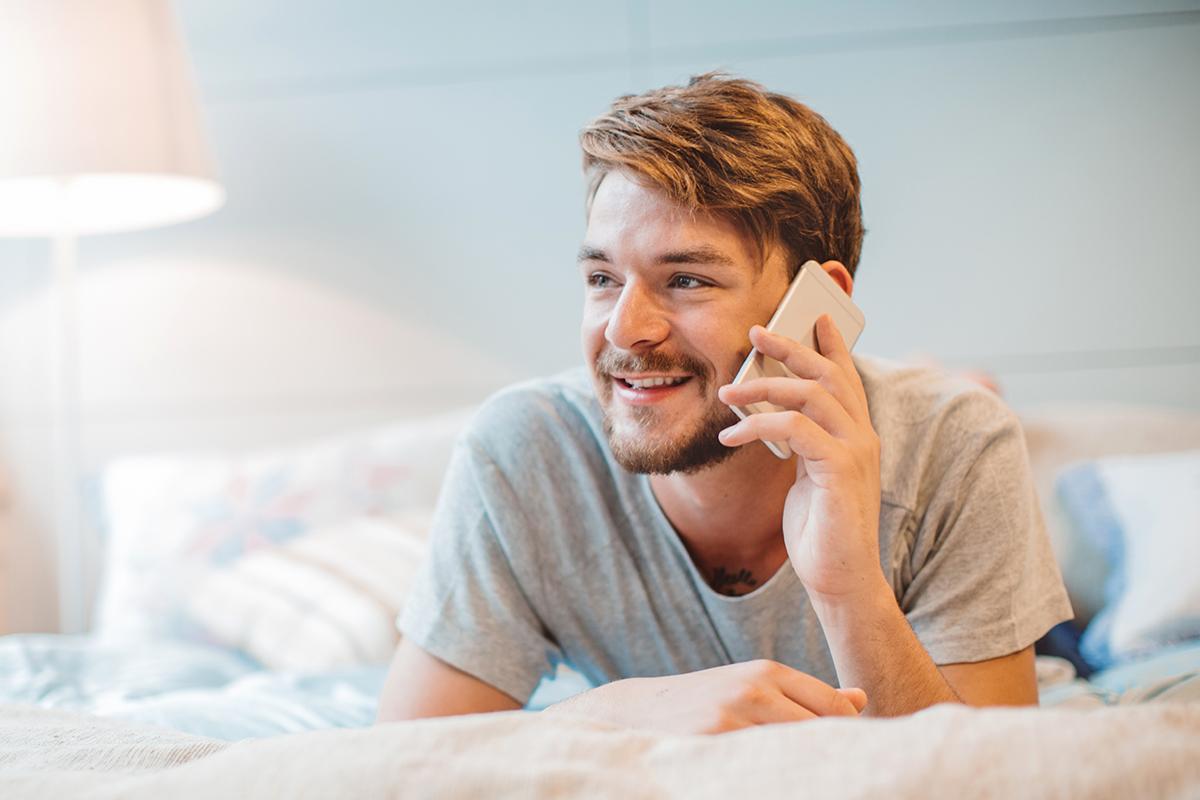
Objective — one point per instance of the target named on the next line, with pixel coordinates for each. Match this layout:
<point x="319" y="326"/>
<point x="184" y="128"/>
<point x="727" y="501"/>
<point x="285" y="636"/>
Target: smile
<point x="651" y="381"/>
<point x="648" y="389"/>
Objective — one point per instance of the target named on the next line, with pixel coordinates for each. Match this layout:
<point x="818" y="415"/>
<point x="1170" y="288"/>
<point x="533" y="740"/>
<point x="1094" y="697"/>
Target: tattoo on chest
<point x="733" y="583"/>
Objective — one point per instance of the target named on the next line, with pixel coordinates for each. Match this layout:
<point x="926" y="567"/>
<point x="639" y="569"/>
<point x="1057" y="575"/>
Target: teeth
<point x="649" y="382"/>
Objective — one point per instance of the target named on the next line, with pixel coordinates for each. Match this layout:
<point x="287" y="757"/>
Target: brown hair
<point x="729" y="147"/>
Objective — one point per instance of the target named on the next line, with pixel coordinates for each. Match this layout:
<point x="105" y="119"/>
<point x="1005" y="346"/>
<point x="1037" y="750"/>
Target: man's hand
<point x="715" y="700"/>
<point x="831" y="516"/>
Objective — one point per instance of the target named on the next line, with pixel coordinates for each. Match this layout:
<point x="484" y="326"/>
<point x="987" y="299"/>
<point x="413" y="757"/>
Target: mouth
<point x="647" y="389"/>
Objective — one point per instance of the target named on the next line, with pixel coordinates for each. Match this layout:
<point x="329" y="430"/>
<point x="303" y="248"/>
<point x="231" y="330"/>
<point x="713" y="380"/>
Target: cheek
<point x="591" y="331"/>
<point x="595" y="314"/>
<point x="714" y="337"/>
<point x="592" y="323"/>
<point x="724" y="349"/>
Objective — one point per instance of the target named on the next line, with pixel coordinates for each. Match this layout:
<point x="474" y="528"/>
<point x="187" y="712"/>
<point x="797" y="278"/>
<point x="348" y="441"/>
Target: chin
<point x="637" y="449"/>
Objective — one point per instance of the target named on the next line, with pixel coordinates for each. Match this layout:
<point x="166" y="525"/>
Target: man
<point x="621" y="518"/>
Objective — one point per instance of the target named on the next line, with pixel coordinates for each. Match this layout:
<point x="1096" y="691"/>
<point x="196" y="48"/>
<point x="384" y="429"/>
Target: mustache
<point x="610" y="361"/>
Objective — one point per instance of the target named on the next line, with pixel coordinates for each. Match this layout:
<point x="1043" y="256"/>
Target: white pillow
<point x="326" y="600"/>
<point x="172" y="519"/>
<point x="1143" y="512"/>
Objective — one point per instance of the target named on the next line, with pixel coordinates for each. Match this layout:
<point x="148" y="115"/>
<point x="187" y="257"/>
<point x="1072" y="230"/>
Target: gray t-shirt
<point x="544" y="549"/>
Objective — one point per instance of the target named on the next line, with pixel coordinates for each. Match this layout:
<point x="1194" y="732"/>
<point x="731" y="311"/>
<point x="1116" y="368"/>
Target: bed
<point x="247" y="613"/>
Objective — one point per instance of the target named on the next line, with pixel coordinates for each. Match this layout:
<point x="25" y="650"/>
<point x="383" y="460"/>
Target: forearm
<point x="874" y="648"/>
<point x="713" y="700"/>
<point x="596" y="704"/>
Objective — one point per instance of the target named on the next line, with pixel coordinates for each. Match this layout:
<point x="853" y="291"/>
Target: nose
<point x="637" y="321"/>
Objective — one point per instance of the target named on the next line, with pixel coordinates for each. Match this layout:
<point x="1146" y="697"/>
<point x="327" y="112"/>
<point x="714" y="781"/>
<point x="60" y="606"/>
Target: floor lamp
<point x="100" y="132"/>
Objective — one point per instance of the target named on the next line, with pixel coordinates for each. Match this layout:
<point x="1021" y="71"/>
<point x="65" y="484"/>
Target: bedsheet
<point x="1173" y="672"/>
<point x="81" y="673"/>
<point x="946" y="751"/>
<point x="221" y="694"/>
<point x="199" y="689"/>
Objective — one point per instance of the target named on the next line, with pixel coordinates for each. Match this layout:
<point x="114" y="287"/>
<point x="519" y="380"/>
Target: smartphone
<point x="811" y="294"/>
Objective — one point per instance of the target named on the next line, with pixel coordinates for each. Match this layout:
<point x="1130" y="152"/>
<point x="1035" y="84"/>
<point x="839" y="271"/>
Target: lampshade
<point x="99" y="126"/>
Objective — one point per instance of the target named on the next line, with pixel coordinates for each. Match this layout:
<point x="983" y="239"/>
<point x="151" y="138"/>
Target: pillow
<point x="172" y="519"/>
<point x="1065" y="434"/>
<point x="323" y="601"/>
<point x="1143" y="512"/>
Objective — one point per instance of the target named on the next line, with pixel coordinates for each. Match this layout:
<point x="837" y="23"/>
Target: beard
<point x="638" y="450"/>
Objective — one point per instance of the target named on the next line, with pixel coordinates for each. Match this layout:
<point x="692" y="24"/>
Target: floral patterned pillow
<point x="324" y="601"/>
<point x="171" y="520"/>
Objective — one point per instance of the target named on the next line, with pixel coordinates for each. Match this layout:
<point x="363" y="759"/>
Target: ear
<point x="837" y="270"/>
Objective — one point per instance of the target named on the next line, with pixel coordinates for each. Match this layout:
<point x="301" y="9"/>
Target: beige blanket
<point x="946" y="751"/>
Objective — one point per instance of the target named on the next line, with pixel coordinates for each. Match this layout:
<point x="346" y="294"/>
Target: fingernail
<point x="725" y="434"/>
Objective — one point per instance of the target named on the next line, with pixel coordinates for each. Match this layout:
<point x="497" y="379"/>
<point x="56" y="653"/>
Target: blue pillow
<point x="1143" y="514"/>
<point x="1081" y="493"/>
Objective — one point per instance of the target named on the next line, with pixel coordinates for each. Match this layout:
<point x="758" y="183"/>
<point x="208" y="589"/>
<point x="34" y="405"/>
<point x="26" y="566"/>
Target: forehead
<point x="633" y="218"/>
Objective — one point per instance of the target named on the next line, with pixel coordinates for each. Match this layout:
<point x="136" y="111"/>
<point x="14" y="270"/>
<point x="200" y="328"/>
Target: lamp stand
<point x="65" y="433"/>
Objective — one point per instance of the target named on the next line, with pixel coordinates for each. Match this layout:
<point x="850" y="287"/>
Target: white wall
<point x="405" y="203"/>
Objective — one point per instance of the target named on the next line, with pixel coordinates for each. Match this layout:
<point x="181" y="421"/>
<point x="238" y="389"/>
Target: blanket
<point x="945" y="751"/>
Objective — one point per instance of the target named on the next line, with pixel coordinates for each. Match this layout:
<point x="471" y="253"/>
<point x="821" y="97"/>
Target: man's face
<point x="669" y="300"/>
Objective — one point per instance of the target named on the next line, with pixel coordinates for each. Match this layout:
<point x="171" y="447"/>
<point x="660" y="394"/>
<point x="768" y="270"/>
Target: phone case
<point x="811" y="294"/>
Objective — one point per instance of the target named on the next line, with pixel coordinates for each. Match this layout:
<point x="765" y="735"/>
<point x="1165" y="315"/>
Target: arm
<point x="709" y="701"/>
<point x="1009" y="680"/>
<point x="873" y="631"/>
<point x="714" y="700"/>
<point x="420" y="685"/>
<point x="471" y="639"/>
<point x="831" y="530"/>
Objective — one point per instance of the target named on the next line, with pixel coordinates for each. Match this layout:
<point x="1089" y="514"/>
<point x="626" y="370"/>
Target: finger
<point x="805" y="437"/>
<point x="856" y="696"/>
<point x="830" y="342"/>
<point x="833" y="346"/>
<point x="808" y="397"/>
<point x="765" y="703"/>
<point x="804" y="362"/>
<point x="774" y="707"/>
<point x="814" y="694"/>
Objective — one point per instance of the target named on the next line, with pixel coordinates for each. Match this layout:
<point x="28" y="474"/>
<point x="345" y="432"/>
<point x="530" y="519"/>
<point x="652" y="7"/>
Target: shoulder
<point x="920" y="396"/>
<point x="537" y="419"/>
<point x="534" y="462"/>
<point x="931" y="424"/>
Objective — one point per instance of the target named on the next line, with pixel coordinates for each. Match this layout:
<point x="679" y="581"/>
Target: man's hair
<point x="726" y="146"/>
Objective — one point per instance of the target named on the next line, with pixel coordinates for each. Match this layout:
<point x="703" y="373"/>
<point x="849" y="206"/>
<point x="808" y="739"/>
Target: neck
<point x="730" y="514"/>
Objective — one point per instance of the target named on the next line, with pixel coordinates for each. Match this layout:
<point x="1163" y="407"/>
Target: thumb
<point x="856" y="696"/>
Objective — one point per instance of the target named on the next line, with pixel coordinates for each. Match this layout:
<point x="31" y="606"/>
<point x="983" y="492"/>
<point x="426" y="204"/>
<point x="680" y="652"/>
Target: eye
<point x="598" y="280"/>
<point x="688" y="282"/>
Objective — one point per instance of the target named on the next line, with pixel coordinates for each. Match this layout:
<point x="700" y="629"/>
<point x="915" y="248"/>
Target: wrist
<point x="871" y="596"/>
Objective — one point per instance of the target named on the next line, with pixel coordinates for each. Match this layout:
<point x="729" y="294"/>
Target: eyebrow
<point x="704" y="254"/>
